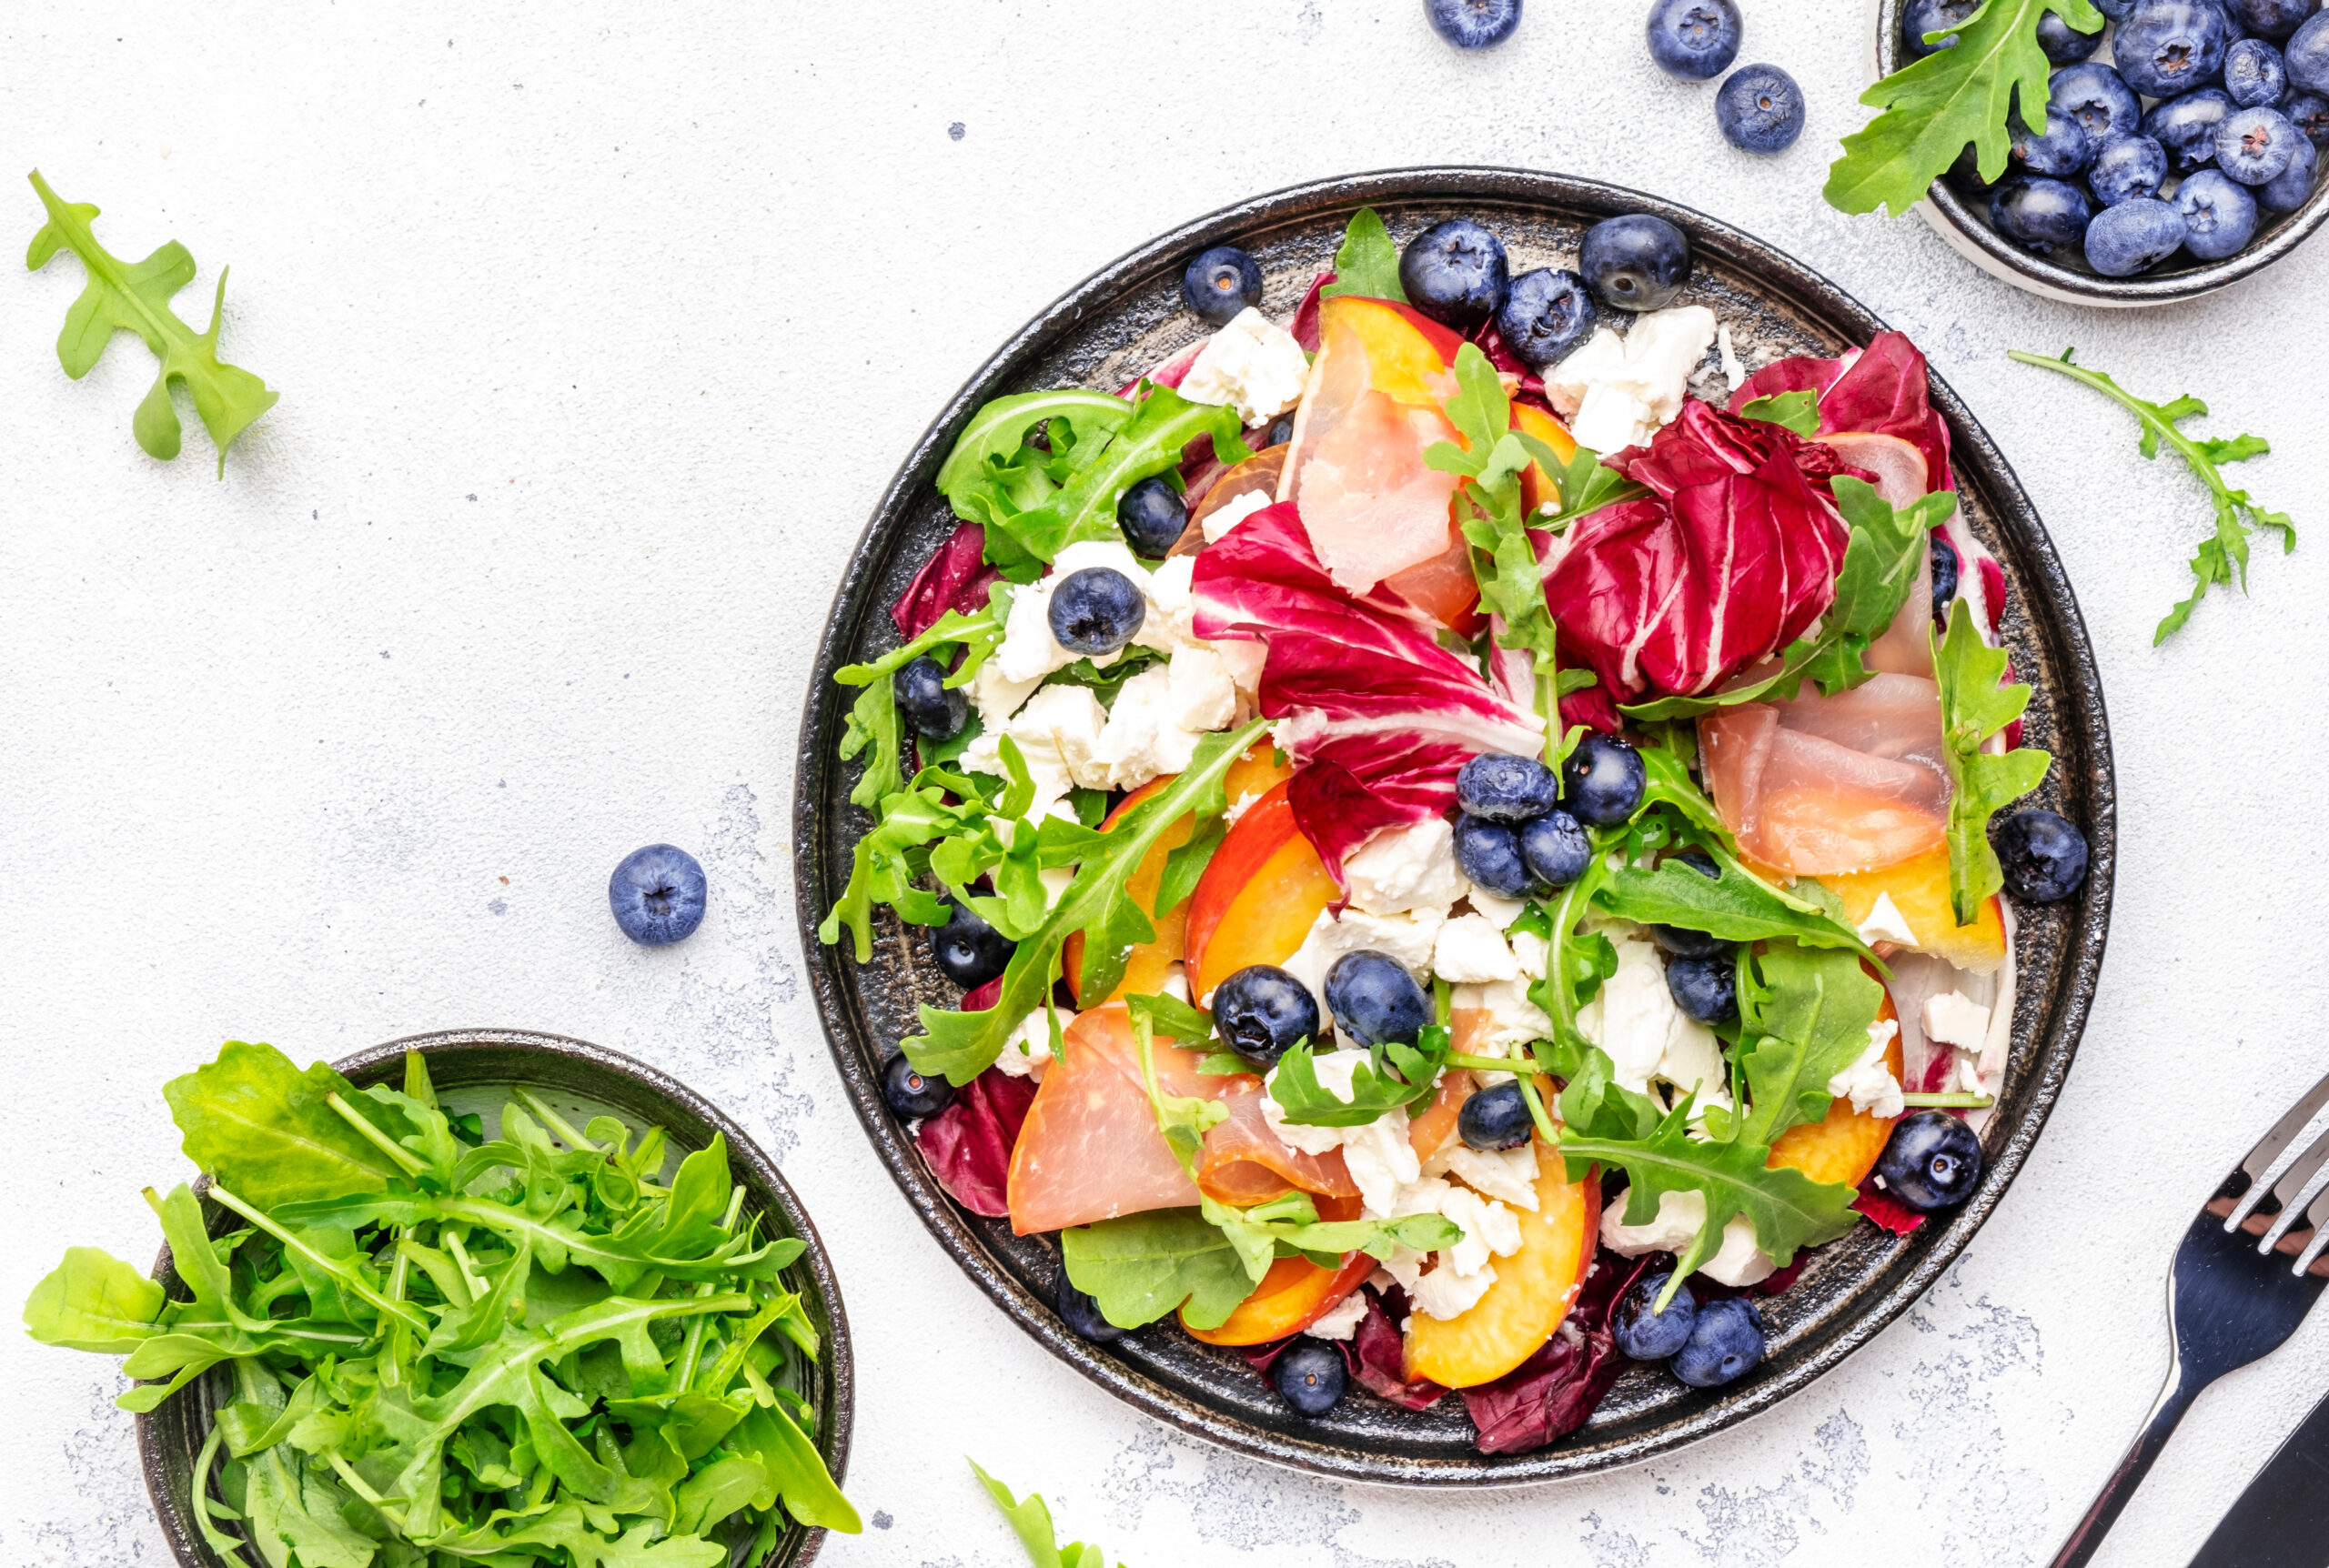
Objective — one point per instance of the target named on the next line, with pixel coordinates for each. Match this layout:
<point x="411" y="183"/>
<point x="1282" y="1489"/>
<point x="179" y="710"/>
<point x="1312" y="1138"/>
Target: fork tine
<point x="2296" y="1149"/>
<point x="2313" y="1250"/>
<point x="2294" y="1210"/>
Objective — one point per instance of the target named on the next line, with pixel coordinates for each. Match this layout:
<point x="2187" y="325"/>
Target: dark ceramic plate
<point x="1128" y="317"/>
<point x="473" y="1070"/>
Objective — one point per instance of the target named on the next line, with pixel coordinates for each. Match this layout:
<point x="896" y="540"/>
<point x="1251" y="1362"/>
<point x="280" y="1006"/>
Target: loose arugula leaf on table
<point x="2225" y="552"/>
<point x="1804" y="1015"/>
<point x="1030" y="1519"/>
<point x="136" y="295"/>
<point x="1798" y="410"/>
<point x="1964" y="93"/>
<point x="1367" y="263"/>
<point x="959" y="1046"/>
<point x="1974" y="707"/>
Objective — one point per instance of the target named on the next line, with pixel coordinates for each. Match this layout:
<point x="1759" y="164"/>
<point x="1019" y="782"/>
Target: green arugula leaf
<point x="1187" y="1025"/>
<point x="135" y="296"/>
<point x="1804" y="1014"/>
<point x="1932" y="108"/>
<point x="2225" y="551"/>
<point x="1367" y="263"/>
<point x="1162" y="426"/>
<point x="1397" y="1075"/>
<point x="1798" y="410"/>
<point x="1974" y="707"/>
<point x="263" y="1128"/>
<point x="1141" y="1266"/>
<point x="94" y="1301"/>
<point x="1000" y="427"/>
<point x="1735" y="905"/>
<point x="1184" y="867"/>
<point x="1577" y="962"/>
<point x="1031" y="1520"/>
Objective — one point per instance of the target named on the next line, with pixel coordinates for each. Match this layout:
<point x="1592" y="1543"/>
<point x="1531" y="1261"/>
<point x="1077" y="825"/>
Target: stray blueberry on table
<point x="2219" y="215"/>
<point x="1153" y="517"/>
<point x="2062" y="44"/>
<point x="2287" y="190"/>
<point x="2186" y="128"/>
<point x="2137" y="234"/>
<point x="1261" y="1012"/>
<point x="1919" y="17"/>
<point x="1376" y="1001"/>
<point x="2043" y="853"/>
<point x="657" y="894"/>
<point x="925" y="700"/>
<point x="2256" y="145"/>
<point x="911" y="1095"/>
<point x="1503" y="787"/>
<point x="1097" y="610"/>
<point x="1933" y="1160"/>
<point x="2039" y="213"/>
<point x="1694" y="39"/>
<point x="2125" y="167"/>
<point x="967" y="951"/>
<point x="1489" y="854"/>
<point x="2171" y="46"/>
<point x="1495" y="1117"/>
<point x="1760" y="110"/>
<point x="1707" y="989"/>
<point x="2254" y="74"/>
<point x="1473" y="24"/>
<point x="1647" y="1334"/>
<point x="1603" y="780"/>
<point x="1455" y="272"/>
<point x="1547" y="313"/>
<point x="1310" y="1376"/>
<point x="1944" y="574"/>
<point x="1555" y="848"/>
<point x="1221" y="283"/>
<point x="1638" y="262"/>
<point x="1082" y="1312"/>
<point x="1725" y="1343"/>
<point x="2272" y="19"/>
<point x="2060" y="150"/>
<point x="2096" y="96"/>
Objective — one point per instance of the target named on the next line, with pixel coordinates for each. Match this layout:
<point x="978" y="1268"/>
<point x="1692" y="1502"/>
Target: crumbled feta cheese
<point x="1680" y="1216"/>
<point x="1027" y="1049"/>
<point x="1512" y="1019"/>
<point x="1490" y="1229"/>
<point x="1444" y="1293"/>
<point x="1341" y="1321"/>
<point x="1470" y="950"/>
<point x="1332" y="1070"/>
<point x="1140" y="741"/>
<point x="1868" y="1082"/>
<point x="1500" y="912"/>
<point x="1509" y="1174"/>
<point x="1171" y="623"/>
<point x="1232" y="512"/>
<point x="1381" y="1160"/>
<point x="1403" y="868"/>
<point x="1955" y="1018"/>
<point x="1243" y="659"/>
<point x="1057" y="733"/>
<point x="1406" y="938"/>
<point x="1202" y="695"/>
<point x="1531" y="952"/>
<point x="1029" y="652"/>
<point x="1733" y="371"/>
<point x="1617" y="392"/>
<point x="1633" y="1018"/>
<point x="1252" y="362"/>
<point x="1965" y="1075"/>
<point x="1886" y="923"/>
<point x="996" y="696"/>
<point x="1737" y="1262"/>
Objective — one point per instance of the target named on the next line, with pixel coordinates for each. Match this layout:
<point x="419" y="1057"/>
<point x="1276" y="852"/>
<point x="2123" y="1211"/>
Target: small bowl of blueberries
<point x="2183" y="147"/>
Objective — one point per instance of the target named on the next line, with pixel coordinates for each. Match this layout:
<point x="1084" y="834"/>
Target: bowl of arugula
<point x="1966" y="95"/>
<point x="485" y="1294"/>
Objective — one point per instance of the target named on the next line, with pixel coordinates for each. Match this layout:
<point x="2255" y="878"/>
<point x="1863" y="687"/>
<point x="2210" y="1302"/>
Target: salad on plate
<point x="1462" y="821"/>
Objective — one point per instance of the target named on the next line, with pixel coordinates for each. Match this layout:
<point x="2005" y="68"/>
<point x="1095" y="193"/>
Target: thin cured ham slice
<point x="1374" y="508"/>
<point x="1902" y="477"/>
<point x="1830" y="784"/>
<point x="1090" y="1149"/>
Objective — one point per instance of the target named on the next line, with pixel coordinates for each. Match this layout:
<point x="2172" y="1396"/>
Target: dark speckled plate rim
<point x="2048" y="600"/>
<point x="376" y="1063"/>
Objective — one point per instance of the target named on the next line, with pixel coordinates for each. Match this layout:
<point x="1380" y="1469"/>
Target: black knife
<point x="2281" y="1520"/>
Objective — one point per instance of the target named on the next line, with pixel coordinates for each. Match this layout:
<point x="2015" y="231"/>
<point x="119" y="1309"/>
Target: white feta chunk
<point x="1203" y="698"/>
<point x="1490" y="1231"/>
<point x="1531" y="952"/>
<point x="1057" y="733"/>
<point x="1500" y="912"/>
<point x="1171" y="623"/>
<point x="1140" y="741"/>
<point x="1403" y="868"/>
<point x="1381" y="1161"/>
<point x="1737" y="1262"/>
<point x="996" y="696"/>
<point x="1252" y="362"/>
<point x="1509" y="1175"/>
<point x="1633" y="1018"/>
<point x="1333" y="1068"/>
<point x="1617" y="392"/>
<point x="1341" y="1321"/>
<point x="1886" y="923"/>
<point x="1956" y="1019"/>
<point x="1734" y="372"/>
<point x="1408" y="937"/>
<point x="1027" y="1049"/>
<point x="1679" y="1218"/>
<point x="1444" y="1293"/>
<point x="1244" y="661"/>
<point x="1217" y="523"/>
<point x="1512" y="1019"/>
<point x="1868" y="1082"/>
<point x="1470" y="950"/>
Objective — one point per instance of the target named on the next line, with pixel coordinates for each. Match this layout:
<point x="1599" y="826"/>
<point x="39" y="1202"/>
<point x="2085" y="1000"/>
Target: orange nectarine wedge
<point x="1258" y="898"/>
<point x="1532" y="1292"/>
<point x="1919" y="888"/>
<point x="1843" y="1147"/>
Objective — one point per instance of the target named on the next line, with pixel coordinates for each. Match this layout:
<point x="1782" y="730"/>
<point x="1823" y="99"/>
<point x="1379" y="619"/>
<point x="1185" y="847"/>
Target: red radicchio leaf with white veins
<point x="955" y="577"/>
<point x="1378" y="714"/>
<point x="968" y="1145"/>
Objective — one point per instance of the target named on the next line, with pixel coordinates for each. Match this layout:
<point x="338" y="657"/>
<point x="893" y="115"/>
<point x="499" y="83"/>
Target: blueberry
<point x="1311" y="1376"/>
<point x="1964" y="176"/>
<point x="2125" y="167"/>
<point x="1495" y="1117"/>
<point x="2219" y="215"/>
<point x="966" y="949"/>
<point x="1455" y="273"/>
<point x="2060" y="150"/>
<point x="925" y="702"/>
<point x="912" y="1095"/>
<point x="2097" y="97"/>
<point x="1556" y="849"/>
<point x="2063" y="43"/>
<point x="1280" y="431"/>
<point x="2185" y="127"/>
<point x="1933" y="1160"/>
<point x="2255" y="145"/>
<point x="2274" y="19"/>
<point x="1153" y="517"/>
<point x="1261" y="1012"/>
<point x="2306" y="55"/>
<point x="1547" y="313"/>
<point x="1637" y="261"/>
<point x="1489" y="853"/>
<point x="2040" y="214"/>
<point x="1694" y="39"/>
<point x="2116" y="10"/>
<point x="2171" y="46"/>
<point x="2254" y="75"/>
<point x="2288" y="190"/>
<point x="1502" y="788"/>
<point x="1082" y="1312"/>
<point x="1919" y="18"/>
<point x="1705" y="989"/>
<point x="1097" y="610"/>
<point x="2043" y="855"/>
<point x="1220" y="283"/>
<point x="1645" y="1334"/>
<point x="657" y="894"/>
<point x="1603" y="780"/>
<point x="1726" y="1342"/>
<point x="1760" y="109"/>
<point x="1944" y="572"/>
<point x="2309" y="113"/>
<point x="2136" y="235"/>
<point x="1376" y="1001"/>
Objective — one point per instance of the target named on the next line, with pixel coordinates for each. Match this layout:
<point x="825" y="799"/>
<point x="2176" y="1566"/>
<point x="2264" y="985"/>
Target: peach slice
<point x="1532" y="1292"/>
<point x="1843" y="1148"/>
<point x="1409" y="356"/>
<point x="1256" y="476"/>
<point x="1261" y="893"/>
<point x="1919" y="888"/>
<point x="1295" y="1294"/>
<point x="1537" y="486"/>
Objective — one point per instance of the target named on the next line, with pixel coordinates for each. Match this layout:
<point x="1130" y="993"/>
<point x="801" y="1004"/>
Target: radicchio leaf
<point x="1377" y="1357"/>
<point x="968" y="1145"/>
<point x="1887" y="1210"/>
<point x="1305" y="325"/>
<point x="1555" y="1391"/>
<point x="1884" y="389"/>
<point x="956" y="579"/>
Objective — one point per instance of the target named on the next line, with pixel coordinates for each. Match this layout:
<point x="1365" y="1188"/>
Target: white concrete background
<point x="599" y="328"/>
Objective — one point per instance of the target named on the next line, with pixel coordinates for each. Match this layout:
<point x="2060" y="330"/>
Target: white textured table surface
<point x="599" y="327"/>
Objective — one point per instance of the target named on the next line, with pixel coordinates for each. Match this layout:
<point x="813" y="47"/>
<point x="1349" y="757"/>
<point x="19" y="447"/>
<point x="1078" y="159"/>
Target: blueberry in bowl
<point x="1097" y="610"/>
<point x="2219" y="215"/>
<point x="2186" y="128"/>
<point x="1261" y="1012"/>
<point x="2254" y="74"/>
<point x="1603" y="780"/>
<point x="1376" y="1001"/>
<point x="2166" y="47"/>
<point x="1921" y="18"/>
<point x="1502" y="788"/>
<point x="2134" y="237"/>
<point x="1495" y="1117"/>
<point x="1153" y="517"/>
<point x="1931" y="1160"/>
<point x="1220" y="283"/>
<point x="1455" y="272"/>
<point x="2125" y="167"/>
<point x="1547" y="313"/>
<point x="1645" y="1334"/>
<point x="1637" y="261"/>
<point x="2061" y="149"/>
<point x="2040" y="215"/>
<point x="1489" y="855"/>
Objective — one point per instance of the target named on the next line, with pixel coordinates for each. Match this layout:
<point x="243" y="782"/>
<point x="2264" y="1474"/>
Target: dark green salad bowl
<point x="1128" y="317"/>
<point x="473" y="1071"/>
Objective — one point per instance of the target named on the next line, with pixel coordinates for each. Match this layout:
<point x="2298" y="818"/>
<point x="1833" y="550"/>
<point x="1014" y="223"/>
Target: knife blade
<point x="2281" y="1519"/>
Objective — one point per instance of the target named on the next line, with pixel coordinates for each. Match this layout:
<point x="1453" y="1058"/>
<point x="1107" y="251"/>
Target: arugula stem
<point x="1546" y="1128"/>
<point x="554" y="1121"/>
<point x="406" y="1160"/>
<point x="1514" y="1064"/>
<point x="1949" y="1102"/>
<point x="692" y="1352"/>
<point x="2146" y="413"/>
<point x="461" y="1260"/>
<point x="355" y="1282"/>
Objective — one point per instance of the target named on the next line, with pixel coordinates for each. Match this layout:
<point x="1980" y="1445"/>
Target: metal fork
<point x="2250" y="1267"/>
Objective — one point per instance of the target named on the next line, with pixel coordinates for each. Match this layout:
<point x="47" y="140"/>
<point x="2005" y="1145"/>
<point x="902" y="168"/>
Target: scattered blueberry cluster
<point x="2208" y="119"/>
<point x="1758" y="109"/>
<point x="1522" y="828"/>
